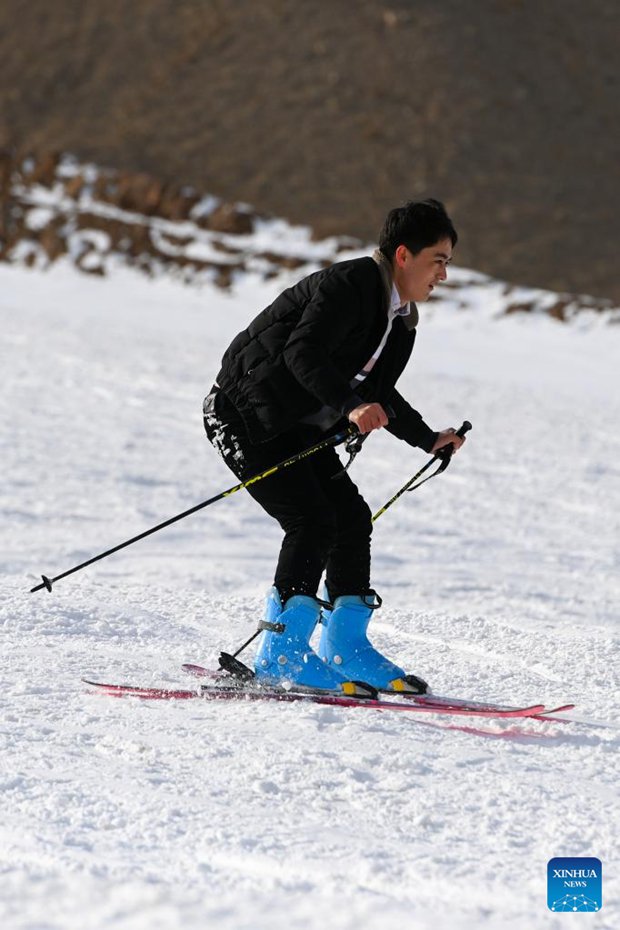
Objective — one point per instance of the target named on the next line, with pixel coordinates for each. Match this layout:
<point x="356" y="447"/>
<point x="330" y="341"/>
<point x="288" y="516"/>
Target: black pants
<point x="326" y="522"/>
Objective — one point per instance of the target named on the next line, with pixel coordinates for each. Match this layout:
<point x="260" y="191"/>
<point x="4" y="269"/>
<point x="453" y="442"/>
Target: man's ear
<point x="400" y="255"/>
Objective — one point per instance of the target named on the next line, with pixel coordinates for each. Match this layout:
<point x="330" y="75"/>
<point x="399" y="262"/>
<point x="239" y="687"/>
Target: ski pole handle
<point x="463" y="428"/>
<point x="447" y="451"/>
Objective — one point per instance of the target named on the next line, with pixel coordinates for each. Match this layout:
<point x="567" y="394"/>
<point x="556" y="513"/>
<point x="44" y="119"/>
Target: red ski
<point x="237" y="692"/>
<point x="437" y="702"/>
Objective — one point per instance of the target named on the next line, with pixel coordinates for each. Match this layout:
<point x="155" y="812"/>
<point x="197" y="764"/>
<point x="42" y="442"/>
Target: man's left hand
<point x="447" y="437"/>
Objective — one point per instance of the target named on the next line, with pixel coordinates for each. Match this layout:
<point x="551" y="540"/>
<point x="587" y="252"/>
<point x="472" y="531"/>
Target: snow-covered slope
<point x="499" y="579"/>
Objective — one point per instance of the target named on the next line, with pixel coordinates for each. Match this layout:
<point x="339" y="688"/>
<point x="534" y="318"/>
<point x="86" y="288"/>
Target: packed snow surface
<point x="500" y="581"/>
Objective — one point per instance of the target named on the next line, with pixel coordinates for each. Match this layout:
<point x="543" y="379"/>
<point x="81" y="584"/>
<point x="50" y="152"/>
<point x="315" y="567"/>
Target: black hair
<point x="418" y="225"/>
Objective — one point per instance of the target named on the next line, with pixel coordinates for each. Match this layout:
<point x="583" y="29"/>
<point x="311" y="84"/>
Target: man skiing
<point x="327" y="350"/>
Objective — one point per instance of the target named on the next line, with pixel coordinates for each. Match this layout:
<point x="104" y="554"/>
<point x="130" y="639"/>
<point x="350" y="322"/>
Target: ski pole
<point x="343" y="436"/>
<point x="443" y="456"/>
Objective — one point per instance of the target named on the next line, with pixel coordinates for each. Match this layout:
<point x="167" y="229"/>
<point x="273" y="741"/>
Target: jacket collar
<point x="411" y="320"/>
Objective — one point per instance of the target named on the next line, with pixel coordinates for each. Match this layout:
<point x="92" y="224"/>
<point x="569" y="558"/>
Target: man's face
<point x="415" y="276"/>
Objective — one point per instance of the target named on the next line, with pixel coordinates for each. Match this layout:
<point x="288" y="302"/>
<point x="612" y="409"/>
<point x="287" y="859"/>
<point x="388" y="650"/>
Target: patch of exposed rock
<point x="52" y="207"/>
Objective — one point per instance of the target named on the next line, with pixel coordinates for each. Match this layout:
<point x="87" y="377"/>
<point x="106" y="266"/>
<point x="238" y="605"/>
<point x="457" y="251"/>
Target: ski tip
<point x="559" y="710"/>
<point x="101" y="685"/>
<point x="192" y="669"/>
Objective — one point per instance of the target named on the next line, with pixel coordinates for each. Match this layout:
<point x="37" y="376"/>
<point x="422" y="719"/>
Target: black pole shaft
<point x="404" y="488"/>
<point x="324" y="444"/>
<point x="464" y="428"/>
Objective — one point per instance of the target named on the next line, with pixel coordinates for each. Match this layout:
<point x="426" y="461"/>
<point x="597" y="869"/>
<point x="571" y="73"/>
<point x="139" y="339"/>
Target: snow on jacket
<point x="302" y="352"/>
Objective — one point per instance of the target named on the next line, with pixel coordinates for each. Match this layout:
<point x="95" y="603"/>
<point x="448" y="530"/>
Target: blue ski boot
<point x="345" y="646"/>
<point x="284" y="654"/>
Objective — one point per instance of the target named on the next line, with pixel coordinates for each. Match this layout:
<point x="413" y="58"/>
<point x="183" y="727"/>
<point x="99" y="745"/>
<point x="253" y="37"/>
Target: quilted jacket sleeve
<point x="407" y="423"/>
<point x="332" y="316"/>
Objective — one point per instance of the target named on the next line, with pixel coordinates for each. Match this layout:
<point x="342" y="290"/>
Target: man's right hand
<point x="368" y="417"/>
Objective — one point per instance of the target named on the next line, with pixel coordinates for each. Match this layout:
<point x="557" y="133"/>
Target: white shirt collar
<point x="397" y="307"/>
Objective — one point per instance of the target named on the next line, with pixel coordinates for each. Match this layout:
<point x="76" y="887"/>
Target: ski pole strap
<point x="334" y="440"/>
<point x="402" y="490"/>
<point x="353" y="446"/>
<point x="444" y="458"/>
<point x="447" y="451"/>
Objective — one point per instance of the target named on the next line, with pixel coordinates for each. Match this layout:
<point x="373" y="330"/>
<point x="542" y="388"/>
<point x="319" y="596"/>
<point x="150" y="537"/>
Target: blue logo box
<point x="574" y="884"/>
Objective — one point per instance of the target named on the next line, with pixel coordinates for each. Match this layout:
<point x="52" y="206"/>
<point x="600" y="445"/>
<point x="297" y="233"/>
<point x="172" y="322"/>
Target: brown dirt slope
<point x="328" y="113"/>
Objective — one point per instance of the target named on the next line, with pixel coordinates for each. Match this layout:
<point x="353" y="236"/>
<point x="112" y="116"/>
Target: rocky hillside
<point x="56" y="209"/>
<point x="330" y="113"/>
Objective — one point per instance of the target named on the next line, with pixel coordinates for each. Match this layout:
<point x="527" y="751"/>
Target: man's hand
<point x="368" y="417"/>
<point x="447" y="437"/>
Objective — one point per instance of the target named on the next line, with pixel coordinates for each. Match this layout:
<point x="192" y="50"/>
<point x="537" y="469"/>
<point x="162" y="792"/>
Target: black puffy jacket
<point x="303" y="351"/>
